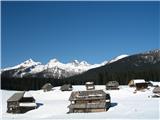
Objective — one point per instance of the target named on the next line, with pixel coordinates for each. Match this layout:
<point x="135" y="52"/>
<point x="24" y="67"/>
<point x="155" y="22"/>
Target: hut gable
<point x="66" y="87"/>
<point x="20" y="103"/>
<point x="47" y="87"/>
<point x="112" y="85"/>
<point x="90" y="86"/>
<point x="89" y="101"/>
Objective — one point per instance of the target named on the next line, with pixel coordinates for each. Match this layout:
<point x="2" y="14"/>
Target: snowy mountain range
<point x="53" y="69"/>
<point x="31" y="75"/>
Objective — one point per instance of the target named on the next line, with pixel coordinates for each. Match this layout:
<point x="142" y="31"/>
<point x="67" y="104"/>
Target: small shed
<point x="132" y="83"/>
<point x="156" y="90"/>
<point x="47" y="87"/>
<point x="89" y="101"/>
<point x="90" y="86"/>
<point x="112" y="85"/>
<point x="21" y="103"/>
<point x="66" y="87"/>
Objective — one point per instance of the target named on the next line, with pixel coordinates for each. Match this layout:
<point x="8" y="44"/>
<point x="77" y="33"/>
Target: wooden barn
<point x="47" y="87"/>
<point x="21" y="103"/>
<point x="112" y="85"/>
<point x="89" y="101"/>
<point x="90" y="86"/>
<point x="66" y="87"/>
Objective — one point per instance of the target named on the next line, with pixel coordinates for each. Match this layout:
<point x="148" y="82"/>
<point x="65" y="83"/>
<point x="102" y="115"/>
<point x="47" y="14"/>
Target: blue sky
<point x="91" y="31"/>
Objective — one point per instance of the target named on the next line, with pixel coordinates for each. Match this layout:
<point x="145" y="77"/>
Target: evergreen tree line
<point x="99" y="78"/>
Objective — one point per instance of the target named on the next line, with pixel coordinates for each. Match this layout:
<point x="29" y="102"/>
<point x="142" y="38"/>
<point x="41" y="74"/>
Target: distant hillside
<point x="144" y="65"/>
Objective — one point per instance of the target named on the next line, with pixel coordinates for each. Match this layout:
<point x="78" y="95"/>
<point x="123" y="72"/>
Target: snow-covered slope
<point x="25" y="64"/>
<point x="22" y="69"/>
<point x="125" y="104"/>
<point x="117" y="58"/>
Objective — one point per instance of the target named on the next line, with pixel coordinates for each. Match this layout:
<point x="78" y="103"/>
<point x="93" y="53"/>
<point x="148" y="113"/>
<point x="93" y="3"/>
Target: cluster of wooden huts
<point x="90" y="100"/>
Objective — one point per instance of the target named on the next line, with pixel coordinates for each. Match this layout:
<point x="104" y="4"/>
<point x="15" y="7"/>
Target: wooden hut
<point x="112" y="85"/>
<point x="20" y="103"/>
<point x="156" y="90"/>
<point x="89" y="101"/>
<point x="47" y="87"/>
<point x="90" y="86"/>
<point x="132" y="83"/>
<point x="66" y="87"/>
<point x="138" y="83"/>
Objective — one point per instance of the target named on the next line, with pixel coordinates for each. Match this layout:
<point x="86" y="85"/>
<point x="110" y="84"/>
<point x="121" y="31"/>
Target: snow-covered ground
<point x="53" y="105"/>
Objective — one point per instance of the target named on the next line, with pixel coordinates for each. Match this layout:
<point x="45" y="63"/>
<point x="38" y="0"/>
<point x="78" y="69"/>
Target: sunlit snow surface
<point x="53" y="105"/>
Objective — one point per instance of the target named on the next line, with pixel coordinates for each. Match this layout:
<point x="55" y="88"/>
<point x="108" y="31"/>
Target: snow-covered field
<point x="125" y="105"/>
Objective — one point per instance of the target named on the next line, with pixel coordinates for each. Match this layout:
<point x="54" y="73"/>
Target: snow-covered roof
<point x="66" y="87"/>
<point x="155" y="83"/>
<point x="27" y="94"/>
<point x="112" y="84"/>
<point x="47" y="86"/>
<point x="27" y="104"/>
<point x="16" y="97"/>
<point x="138" y="81"/>
<point x="89" y="83"/>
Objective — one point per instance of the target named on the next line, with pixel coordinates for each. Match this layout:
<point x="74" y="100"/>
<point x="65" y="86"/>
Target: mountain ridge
<point x="30" y="67"/>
